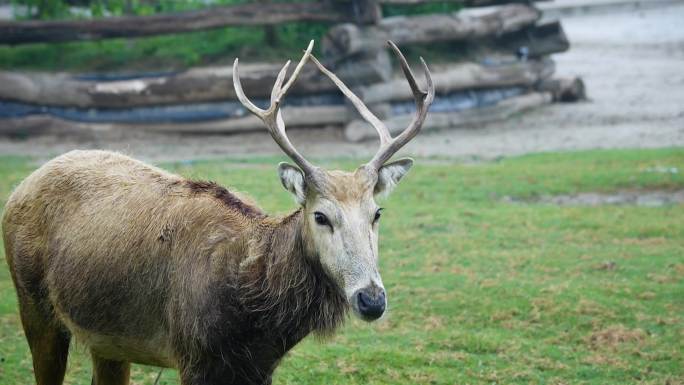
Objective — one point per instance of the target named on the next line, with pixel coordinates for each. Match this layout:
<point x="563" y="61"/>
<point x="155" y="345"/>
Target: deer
<point x="143" y="266"/>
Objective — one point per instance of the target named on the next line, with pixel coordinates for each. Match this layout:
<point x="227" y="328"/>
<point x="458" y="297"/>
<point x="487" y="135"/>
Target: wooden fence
<point x="505" y="69"/>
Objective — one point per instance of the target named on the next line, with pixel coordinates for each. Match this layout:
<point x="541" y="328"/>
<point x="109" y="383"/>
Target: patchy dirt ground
<point x="631" y="62"/>
<point x="653" y="198"/>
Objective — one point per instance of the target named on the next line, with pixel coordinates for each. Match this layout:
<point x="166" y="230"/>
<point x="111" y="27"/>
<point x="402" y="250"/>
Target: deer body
<point x="144" y="266"/>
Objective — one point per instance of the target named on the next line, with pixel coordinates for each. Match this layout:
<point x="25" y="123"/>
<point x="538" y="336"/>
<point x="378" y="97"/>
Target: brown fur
<point x="145" y="266"/>
<point x="347" y="187"/>
<point x="225" y="196"/>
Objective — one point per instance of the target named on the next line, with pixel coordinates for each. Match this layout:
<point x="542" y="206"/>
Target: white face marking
<point x="347" y="243"/>
<point x="342" y="229"/>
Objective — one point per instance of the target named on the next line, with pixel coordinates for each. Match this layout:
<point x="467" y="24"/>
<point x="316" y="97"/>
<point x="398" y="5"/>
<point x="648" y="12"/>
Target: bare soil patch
<point x="648" y="198"/>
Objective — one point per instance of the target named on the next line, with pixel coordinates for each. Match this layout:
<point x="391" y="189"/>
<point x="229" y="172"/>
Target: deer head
<point x="341" y="216"/>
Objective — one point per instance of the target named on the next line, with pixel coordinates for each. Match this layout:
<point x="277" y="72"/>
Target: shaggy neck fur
<point x="286" y="290"/>
<point x="281" y="295"/>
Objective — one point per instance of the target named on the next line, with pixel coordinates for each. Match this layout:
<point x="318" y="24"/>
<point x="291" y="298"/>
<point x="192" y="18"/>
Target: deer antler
<point x="272" y="116"/>
<point x="389" y="145"/>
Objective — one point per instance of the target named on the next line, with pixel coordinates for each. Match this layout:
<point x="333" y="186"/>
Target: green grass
<point x="481" y="291"/>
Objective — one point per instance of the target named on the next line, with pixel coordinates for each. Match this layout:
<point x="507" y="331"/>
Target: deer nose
<point x="371" y="303"/>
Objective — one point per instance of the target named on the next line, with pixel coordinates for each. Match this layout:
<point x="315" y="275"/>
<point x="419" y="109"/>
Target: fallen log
<point x="534" y="41"/>
<point x="465" y="76"/>
<point x="359" y="130"/>
<point x="348" y="39"/>
<point x="319" y="116"/>
<point x="365" y="68"/>
<point x="564" y="90"/>
<point x="191" y="86"/>
<point x="250" y="14"/>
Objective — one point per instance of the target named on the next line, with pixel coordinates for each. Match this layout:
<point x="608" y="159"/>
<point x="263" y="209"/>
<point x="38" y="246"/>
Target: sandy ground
<point x="631" y="61"/>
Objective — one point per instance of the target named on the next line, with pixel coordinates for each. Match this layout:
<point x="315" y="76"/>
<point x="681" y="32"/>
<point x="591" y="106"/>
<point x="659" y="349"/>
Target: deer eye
<point x="321" y="219"/>
<point x="377" y="216"/>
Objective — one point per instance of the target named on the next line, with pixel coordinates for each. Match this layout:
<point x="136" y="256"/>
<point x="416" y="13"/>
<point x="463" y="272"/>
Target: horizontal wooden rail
<point x="192" y="86"/>
<point x="251" y="14"/>
<point x="348" y="39"/>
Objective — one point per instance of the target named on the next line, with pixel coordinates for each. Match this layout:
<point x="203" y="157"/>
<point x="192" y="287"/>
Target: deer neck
<point x="287" y="290"/>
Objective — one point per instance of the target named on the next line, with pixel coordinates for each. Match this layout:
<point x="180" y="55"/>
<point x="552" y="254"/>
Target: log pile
<point x="507" y="71"/>
<point x="512" y="50"/>
<point x="477" y="23"/>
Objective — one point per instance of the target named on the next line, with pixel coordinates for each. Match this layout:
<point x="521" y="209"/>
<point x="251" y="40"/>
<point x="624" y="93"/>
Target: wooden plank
<point x="348" y="39"/>
<point x="249" y="14"/>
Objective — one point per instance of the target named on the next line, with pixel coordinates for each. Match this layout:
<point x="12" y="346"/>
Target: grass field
<point x="481" y="290"/>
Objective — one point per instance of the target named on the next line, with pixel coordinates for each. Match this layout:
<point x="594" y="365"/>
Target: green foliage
<point x="481" y="290"/>
<point x="75" y="9"/>
<point x="43" y="9"/>
<point x="420" y="9"/>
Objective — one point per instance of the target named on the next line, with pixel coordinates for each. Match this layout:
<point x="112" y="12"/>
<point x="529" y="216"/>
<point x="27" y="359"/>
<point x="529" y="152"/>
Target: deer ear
<point x="390" y="174"/>
<point x="292" y="179"/>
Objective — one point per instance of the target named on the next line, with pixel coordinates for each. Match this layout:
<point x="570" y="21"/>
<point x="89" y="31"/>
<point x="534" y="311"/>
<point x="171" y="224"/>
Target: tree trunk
<point x="251" y="14"/>
<point x="348" y="39"/>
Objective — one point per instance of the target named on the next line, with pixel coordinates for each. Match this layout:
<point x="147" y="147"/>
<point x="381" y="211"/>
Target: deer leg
<point x="48" y="341"/>
<point x="107" y="372"/>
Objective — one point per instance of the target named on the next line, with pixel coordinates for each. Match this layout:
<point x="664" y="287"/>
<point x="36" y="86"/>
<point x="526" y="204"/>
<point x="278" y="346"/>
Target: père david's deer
<point x="144" y="266"/>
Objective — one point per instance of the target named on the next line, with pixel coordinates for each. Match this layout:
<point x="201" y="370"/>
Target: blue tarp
<point x="157" y="114"/>
<point x="455" y="101"/>
<point x="462" y="100"/>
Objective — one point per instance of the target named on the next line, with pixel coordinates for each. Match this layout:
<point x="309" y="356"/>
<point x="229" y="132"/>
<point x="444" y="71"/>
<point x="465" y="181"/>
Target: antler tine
<point x="383" y="132"/>
<point x="272" y="116"/>
<point x="299" y="67"/>
<point x="406" y="70"/>
<point x="423" y="101"/>
<point x="277" y="87"/>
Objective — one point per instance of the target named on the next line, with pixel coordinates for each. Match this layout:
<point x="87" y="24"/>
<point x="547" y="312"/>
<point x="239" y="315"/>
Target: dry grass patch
<point x="614" y="336"/>
<point x="433" y="323"/>
<point x="602" y="359"/>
